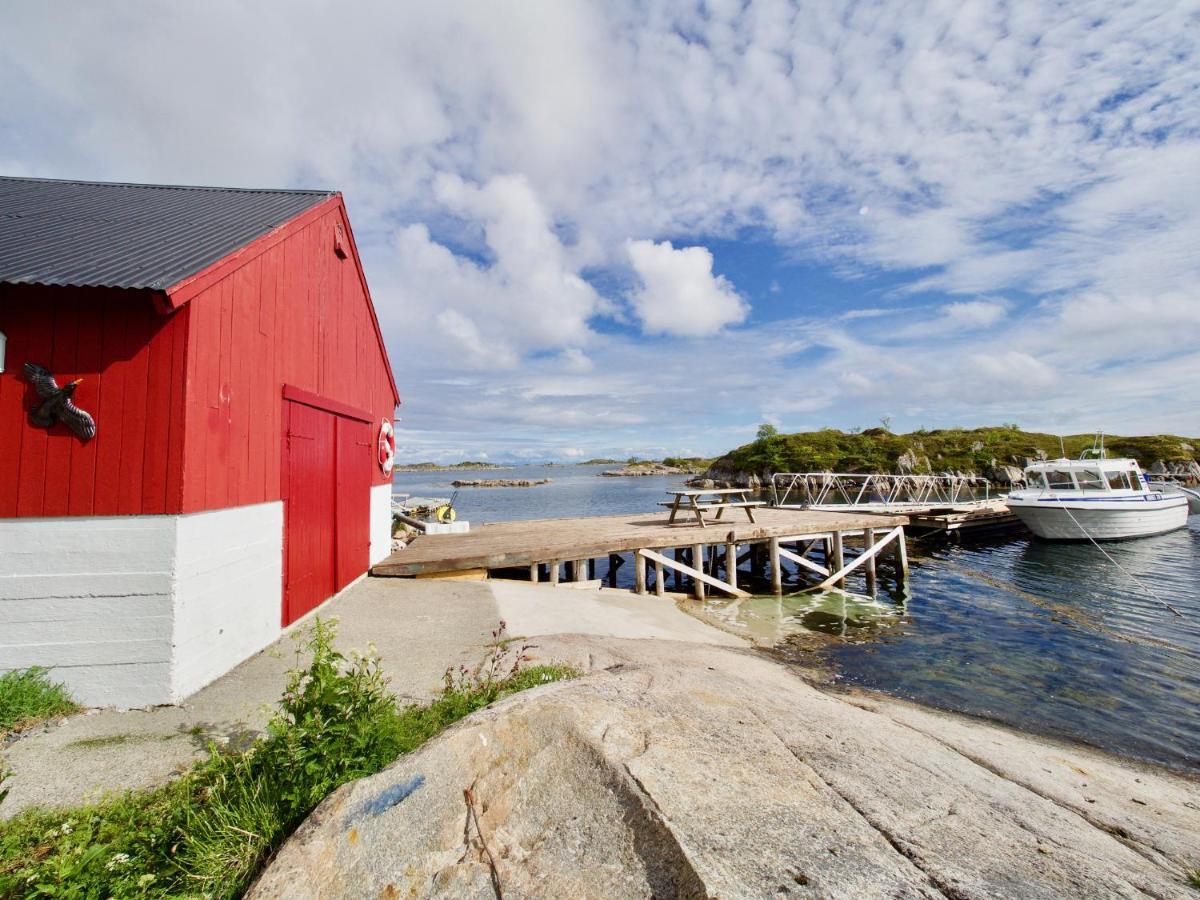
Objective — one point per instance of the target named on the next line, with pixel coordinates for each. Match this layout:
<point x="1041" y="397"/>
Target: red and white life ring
<point x="387" y="447"/>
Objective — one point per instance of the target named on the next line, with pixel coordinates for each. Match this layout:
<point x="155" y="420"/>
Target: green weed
<point x="28" y="696"/>
<point x="209" y="832"/>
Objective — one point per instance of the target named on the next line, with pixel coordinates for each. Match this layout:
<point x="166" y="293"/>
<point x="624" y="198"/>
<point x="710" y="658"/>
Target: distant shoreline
<point x="452" y="467"/>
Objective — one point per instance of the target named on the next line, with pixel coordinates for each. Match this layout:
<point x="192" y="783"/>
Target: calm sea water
<point x="1051" y="638"/>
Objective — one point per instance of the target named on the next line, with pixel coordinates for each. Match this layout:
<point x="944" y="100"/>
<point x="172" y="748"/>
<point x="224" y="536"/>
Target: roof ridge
<point x="174" y="187"/>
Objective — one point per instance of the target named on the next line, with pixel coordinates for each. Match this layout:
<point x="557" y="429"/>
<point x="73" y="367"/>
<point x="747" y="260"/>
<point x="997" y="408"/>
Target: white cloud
<point x="1010" y="371"/>
<point x="679" y="294"/>
<point x="1031" y="150"/>
<point x="974" y="313"/>
<point x="529" y="297"/>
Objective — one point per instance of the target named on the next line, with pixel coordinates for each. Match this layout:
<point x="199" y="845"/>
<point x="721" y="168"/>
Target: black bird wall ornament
<point x="56" y="404"/>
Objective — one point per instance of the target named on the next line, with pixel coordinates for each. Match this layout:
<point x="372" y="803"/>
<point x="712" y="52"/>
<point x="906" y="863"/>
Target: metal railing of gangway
<point x="843" y="489"/>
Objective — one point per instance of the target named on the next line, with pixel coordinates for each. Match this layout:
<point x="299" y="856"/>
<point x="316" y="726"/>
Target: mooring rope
<point x="1108" y="556"/>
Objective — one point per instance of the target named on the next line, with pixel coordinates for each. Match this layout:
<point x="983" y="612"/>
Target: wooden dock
<point x="979" y="518"/>
<point x="557" y="549"/>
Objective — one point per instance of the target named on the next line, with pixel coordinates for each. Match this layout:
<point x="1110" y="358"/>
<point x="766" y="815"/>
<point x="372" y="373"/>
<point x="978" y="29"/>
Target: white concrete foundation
<point x="140" y="610"/>
<point x="381" y="522"/>
<point x="228" y="591"/>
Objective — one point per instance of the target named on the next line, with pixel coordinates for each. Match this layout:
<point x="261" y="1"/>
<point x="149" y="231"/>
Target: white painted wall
<point x="381" y="522"/>
<point x="93" y="598"/>
<point x="140" y="610"/>
<point x="228" y="591"/>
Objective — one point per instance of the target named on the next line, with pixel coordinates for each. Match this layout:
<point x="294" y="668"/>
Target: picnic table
<point x="698" y="501"/>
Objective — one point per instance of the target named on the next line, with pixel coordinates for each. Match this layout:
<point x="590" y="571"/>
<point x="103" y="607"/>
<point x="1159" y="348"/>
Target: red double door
<point x="327" y="505"/>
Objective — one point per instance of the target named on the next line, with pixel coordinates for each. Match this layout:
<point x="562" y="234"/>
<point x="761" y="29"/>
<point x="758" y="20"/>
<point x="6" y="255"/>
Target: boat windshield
<point x="1123" y="481"/>
<point x="1035" y="479"/>
<point x="1089" y="480"/>
<point x="1060" y="480"/>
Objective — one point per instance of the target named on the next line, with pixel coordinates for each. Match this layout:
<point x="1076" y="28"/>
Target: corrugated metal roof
<point x="130" y="235"/>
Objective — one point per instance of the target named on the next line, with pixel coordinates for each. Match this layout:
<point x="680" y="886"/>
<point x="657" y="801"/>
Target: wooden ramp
<point x="553" y="542"/>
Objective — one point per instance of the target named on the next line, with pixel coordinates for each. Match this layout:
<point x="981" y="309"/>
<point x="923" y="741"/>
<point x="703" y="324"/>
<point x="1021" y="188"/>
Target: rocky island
<point x="448" y="467"/>
<point x="640" y="469"/>
<point x="500" y="483"/>
<point x="998" y="454"/>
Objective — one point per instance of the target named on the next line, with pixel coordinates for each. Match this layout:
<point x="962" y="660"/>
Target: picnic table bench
<point x="700" y="500"/>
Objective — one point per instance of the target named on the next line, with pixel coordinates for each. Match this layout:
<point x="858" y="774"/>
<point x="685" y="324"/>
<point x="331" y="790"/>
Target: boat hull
<point x="1066" y="520"/>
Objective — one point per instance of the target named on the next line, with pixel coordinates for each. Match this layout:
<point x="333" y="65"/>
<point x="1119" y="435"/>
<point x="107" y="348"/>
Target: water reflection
<point x="847" y="616"/>
<point x="1052" y="638"/>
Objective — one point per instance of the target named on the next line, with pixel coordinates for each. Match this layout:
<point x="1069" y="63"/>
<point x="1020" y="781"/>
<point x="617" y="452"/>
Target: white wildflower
<point x="118" y="859"/>
<point x="66" y="828"/>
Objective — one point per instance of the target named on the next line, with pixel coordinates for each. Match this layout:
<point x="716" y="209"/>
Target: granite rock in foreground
<point x="693" y="771"/>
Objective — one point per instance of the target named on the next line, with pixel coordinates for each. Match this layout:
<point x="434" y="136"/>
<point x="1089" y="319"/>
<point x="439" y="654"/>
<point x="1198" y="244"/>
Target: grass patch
<point x="209" y="832"/>
<point x="1194" y="878"/>
<point x="117" y="740"/>
<point x="28" y="696"/>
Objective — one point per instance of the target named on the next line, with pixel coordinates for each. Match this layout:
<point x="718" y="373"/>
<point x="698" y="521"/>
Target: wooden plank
<point x="137" y="378"/>
<point x="803" y="561"/>
<point x="839" y="576"/>
<point x="838" y="551"/>
<point x="698" y="492"/>
<point x="691" y="572"/>
<point x="517" y="544"/>
<point x="13" y="389"/>
<point x="177" y="412"/>
<point x="38" y="349"/>
<point x="62" y="363"/>
<point x="111" y="409"/>
<point x="464" y="575"/>
<point x="731" y="561"/>
<point x="868" y="543"/>
<point x="88" y="364"/>
<point x="158" y="419"/>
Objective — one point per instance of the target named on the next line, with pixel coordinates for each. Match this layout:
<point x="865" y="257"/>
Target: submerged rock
<point x="695" y="771"/>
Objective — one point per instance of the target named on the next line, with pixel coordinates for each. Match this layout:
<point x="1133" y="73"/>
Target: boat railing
<point x="807" y="489"/>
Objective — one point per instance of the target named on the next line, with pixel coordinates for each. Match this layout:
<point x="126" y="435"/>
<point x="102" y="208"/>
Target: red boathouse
<point x="240" y="470"/>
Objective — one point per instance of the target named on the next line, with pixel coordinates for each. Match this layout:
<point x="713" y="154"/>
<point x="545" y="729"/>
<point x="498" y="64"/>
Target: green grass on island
<point x="210" y="831"/>
<point x="967" y="450"/>
<point x="29" y="696"/>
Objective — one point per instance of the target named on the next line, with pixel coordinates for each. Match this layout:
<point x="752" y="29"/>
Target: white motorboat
<point x="1096" y="498"/>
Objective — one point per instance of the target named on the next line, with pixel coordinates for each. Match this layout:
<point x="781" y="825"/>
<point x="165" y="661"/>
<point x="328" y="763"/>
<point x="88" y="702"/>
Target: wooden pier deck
<point x="552" y="542"/>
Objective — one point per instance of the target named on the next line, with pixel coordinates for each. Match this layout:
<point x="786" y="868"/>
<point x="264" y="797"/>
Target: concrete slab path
<point x="420" y="628"/>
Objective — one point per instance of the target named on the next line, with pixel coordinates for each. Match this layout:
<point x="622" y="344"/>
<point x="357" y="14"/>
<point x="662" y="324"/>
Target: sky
<point x="617" y="229"/>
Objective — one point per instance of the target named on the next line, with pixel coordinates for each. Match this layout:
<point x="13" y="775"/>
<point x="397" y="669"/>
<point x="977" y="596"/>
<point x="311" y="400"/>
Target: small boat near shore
<point x="1096" y="498"/>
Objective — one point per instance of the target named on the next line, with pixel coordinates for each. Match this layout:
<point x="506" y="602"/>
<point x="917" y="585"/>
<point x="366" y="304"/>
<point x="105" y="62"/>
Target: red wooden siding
<point x="188" y="403"/>
<point x="131" y="360"/>
<point x="295" y="314"/>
